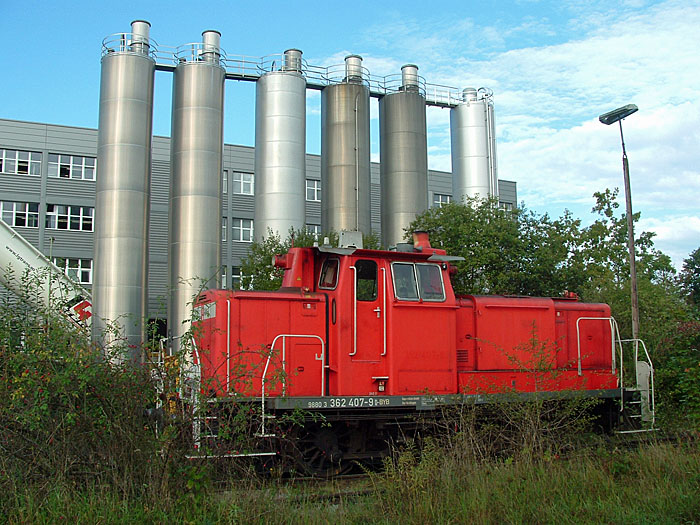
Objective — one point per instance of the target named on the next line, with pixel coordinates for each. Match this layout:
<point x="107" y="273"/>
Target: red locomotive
<point x="367" y="337"/>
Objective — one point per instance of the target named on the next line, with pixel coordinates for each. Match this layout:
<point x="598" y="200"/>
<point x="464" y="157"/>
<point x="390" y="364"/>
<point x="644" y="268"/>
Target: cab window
<point x="404" y="281"/>
<point x="366" y="280"/>
<point x="329" y="274"/>
<point x="430" y="282"/>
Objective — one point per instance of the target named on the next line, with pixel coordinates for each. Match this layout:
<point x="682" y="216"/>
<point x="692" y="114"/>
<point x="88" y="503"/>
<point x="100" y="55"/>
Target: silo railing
<point x="243" y="66"/>
<point x="395" y="84"/>
<point x="338" y="73"/>
<point x="199" y="52"/>
<point x="280" y="62"/>
<point x="130" y="43"/>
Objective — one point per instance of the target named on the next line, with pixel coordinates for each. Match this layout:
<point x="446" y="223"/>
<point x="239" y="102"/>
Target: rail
<point x="611" y="321"/>
<point x="199" y="52"/>
<point x="616" y="339"/>
<point x="284" y="337"/>
<point x="354" y="311"/>
<point x="128" y="43"/>
<point x="652" y="396"/>
<point x="384" y="307"/>
<point x="250" y="68"/>
<point x="228" y="345"/>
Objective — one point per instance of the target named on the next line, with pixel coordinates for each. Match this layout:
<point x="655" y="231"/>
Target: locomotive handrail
<point x="228" y="345"/>
<point x="615" y="330"/>
<point x="384" y="306"/>
<point x="578" y="339"/>
<point x="651" y="371"/>
<point x="354" y="310"/>
<point x="263" y="378"/>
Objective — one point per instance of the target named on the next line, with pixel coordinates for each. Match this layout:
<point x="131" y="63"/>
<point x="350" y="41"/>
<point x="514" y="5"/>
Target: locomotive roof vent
<point x="402" y="247"/>
<point x="350" y="239"/>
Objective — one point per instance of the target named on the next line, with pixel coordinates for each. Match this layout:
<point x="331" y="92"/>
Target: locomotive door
<point x="369" y="312"/>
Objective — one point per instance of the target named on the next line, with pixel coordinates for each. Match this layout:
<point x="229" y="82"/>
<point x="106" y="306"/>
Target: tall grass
<point x="656" y="483"/>
<point x="76" y="447"/>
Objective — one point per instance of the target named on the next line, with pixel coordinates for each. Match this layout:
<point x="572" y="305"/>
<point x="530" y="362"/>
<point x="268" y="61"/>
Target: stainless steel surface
<point x="404" y="163"/>
<point x="211" y="46"/>
<point x="353" y="68"/>
<point x="140" y="31"/>
<point x="493" y="156"/>
<point x="122" y="194"/>
<point x="280" y="152"/>
<point x="409" y="77"/>
<point x="194" y="235"/>
<point x="251" y="68"/>
<point x="473" y="147"/>
<point x="292" y="60"/>
<point x="345" y="153"/>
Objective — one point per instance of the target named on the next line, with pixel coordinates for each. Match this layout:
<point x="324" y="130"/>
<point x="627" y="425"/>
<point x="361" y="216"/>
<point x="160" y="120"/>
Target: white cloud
<point x="676" y="236"/>
<point x="548" y="97"/>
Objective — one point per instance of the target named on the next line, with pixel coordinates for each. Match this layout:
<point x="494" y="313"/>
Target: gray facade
<point x="62" y="227"/>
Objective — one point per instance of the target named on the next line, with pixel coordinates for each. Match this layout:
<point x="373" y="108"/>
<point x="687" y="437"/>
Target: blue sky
<point x="553" y="67"/>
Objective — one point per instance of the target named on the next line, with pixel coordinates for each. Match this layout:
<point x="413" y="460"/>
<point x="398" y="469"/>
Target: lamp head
<point x="617" y="114"/>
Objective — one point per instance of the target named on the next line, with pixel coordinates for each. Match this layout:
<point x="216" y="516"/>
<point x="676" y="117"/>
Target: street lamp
<point x="617" y="115"/>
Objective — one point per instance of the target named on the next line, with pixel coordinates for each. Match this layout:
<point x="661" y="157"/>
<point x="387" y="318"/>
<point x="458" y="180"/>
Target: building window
<point x="24" y="214"/>
<point x="224" y="182"/>
<point x="236" y="278"/>
<point x="223" y="276"/>
<point x="507" y="206"/>
<point x="314" y="229"/>
<point x="224" y="227"/>
<point x="243" y="183"/>
<point x="440" y="198"/>
<point x="313" y="190"/>
<point x="242" y="230"/>
<point x="20" y="162"/>
<point x="80" y="270"/>
<point x="71" y="167"/>
<point x="63" y="217"/>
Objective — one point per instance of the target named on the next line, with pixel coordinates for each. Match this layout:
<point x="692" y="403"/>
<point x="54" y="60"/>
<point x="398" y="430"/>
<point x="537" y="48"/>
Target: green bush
<point x="677" y="366"/>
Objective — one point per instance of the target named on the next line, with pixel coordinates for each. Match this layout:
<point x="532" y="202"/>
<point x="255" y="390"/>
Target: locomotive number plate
<point x="353" y="402"/>
<point x="349" y="402"/>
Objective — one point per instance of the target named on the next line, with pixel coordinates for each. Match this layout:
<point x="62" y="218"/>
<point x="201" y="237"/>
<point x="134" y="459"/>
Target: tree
<point x="505" y="251"/>
<point x="522" y="252"/>
<point x="690" y="278"/>
<point x="257" y="269"/>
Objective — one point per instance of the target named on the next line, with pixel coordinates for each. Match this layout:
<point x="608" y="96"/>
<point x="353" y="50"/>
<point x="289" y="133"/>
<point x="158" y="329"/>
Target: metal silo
<point x="403" y="156"/>
<point x="123" y="185"/>
<point x="196" y="150"/>
<point x="280" y="147"/>
<point x="473" y="140"/>
<point x="345" y="151"/>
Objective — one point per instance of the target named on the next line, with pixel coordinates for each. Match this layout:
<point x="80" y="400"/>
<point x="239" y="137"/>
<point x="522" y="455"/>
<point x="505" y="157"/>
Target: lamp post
<point x="617" y="115"/>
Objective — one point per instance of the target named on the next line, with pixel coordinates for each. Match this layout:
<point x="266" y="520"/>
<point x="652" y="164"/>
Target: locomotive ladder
<point x="202" y="422"/>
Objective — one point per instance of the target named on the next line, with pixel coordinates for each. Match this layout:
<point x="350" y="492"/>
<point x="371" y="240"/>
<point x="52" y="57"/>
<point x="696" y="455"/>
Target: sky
<point x="553" y="66"/>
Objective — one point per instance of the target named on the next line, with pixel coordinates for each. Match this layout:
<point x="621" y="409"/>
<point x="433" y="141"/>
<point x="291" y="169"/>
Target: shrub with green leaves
<point x="677" y="368"/>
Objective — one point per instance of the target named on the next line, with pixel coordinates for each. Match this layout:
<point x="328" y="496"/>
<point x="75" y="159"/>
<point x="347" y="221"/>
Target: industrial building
<point x="159" y="211"/>
<point x="47" y="183"/>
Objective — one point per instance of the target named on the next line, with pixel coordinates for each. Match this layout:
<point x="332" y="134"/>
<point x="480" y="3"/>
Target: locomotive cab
<point x="391" y="316"/>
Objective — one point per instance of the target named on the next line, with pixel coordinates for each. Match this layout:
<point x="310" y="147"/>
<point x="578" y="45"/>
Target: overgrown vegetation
<point x="77" y="443"/>
<point x="75" y="419"/>
<point x="519" y="252"/>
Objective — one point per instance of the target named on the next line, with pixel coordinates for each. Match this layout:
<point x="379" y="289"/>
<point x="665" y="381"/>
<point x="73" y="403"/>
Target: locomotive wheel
<point x="320" y="450"/>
